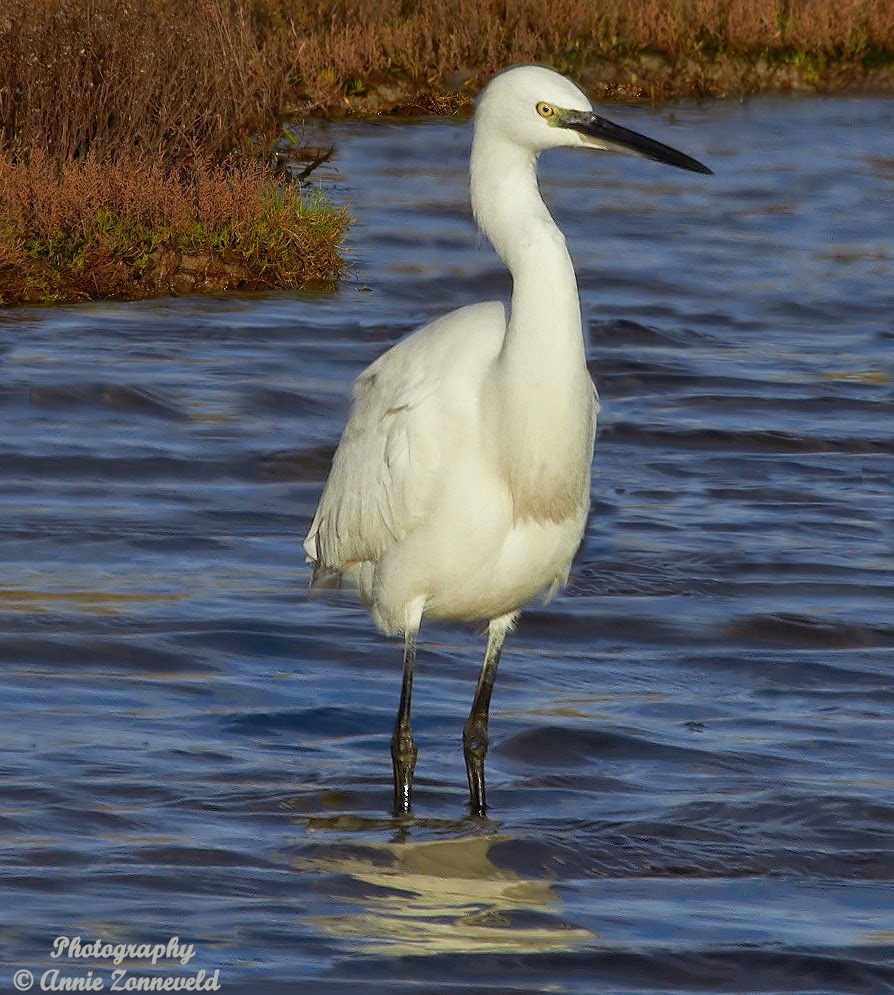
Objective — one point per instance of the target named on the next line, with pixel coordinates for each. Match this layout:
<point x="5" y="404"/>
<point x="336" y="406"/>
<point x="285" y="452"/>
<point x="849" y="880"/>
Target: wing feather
<point x="386" y="469"/>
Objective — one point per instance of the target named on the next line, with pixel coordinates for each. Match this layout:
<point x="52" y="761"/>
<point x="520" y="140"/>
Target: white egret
<point x="461" y="485"/>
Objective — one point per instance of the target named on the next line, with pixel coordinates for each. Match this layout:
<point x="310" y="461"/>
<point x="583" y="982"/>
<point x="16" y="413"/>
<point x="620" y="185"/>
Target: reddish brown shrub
<point x="135" y="228"/>
<point x="147" y="77"/>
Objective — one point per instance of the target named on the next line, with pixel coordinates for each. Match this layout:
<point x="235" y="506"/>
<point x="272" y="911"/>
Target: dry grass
<point x="134" y="228"/>
<point x="128" y="167"/>
<point x="351" y="43"/>
<point x="164" y="77"/>
<point x="133" y="76"/>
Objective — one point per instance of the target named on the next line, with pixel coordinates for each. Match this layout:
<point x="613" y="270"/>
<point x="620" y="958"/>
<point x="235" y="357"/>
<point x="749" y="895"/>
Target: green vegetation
<point x="137" y="229"/>
<point x="181" y="101"/>
<point x="135" y="142"/>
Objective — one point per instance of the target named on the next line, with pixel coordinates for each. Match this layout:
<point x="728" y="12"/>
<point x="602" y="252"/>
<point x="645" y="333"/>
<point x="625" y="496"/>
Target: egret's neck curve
<point x="545" y="445"/>
<point x="506" y="199"/>
<point x="509" y="209"/>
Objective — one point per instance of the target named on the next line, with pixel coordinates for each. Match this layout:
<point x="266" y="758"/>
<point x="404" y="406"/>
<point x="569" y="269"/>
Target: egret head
<point x="538" y="109"/>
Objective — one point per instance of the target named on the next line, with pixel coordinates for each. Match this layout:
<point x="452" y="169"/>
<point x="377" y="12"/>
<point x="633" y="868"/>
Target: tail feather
<point x="325" y="578"/>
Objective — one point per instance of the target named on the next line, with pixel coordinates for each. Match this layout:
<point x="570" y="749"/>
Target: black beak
<point x="605" y="134"/>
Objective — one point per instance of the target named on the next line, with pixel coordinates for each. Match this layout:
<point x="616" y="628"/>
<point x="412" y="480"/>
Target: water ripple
<point x="691" y="760"/>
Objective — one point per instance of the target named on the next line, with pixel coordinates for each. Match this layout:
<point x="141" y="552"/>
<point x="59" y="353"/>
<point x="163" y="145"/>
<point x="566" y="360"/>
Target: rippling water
<point x="692" y="770"/>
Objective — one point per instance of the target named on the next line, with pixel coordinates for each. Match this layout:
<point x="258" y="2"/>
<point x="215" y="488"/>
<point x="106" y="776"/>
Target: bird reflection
<point x="443" y="896"/>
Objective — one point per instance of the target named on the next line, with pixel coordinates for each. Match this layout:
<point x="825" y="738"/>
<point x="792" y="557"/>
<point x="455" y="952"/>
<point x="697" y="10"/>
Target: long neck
<point x="542" y="393"/>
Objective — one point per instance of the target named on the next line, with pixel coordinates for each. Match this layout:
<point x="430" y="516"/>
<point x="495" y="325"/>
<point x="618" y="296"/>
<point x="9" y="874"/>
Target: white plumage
<point x="460" y="487"/>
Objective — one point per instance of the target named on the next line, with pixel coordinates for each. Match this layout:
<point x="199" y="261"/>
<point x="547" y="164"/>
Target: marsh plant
<point x="138" y="228"/>
<point x="131" y="155"/>
<point x="123" y="121"/>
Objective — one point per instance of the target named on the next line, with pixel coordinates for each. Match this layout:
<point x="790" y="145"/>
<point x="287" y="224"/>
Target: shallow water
<point x="692" y="768"/>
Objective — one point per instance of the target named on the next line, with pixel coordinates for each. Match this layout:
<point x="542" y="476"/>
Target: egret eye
<point x="545" y="110"/>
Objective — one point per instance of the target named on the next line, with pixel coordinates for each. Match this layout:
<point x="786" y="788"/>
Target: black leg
<point x="475" y="731"/>
<point x="403" y="749"/>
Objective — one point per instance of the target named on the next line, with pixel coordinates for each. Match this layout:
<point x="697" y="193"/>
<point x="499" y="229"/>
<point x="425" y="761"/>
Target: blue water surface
<point x="692" y="763"/>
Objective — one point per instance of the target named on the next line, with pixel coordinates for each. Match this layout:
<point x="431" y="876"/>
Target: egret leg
<point x="403" y="749"/>
<point x="475" y="739"/>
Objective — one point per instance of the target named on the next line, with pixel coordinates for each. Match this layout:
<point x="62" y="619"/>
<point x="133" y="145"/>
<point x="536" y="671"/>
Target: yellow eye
<point x="545" y="110"/>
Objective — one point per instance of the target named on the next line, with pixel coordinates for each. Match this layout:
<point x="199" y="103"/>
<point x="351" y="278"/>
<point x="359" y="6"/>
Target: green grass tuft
<point x="133" y="230"/>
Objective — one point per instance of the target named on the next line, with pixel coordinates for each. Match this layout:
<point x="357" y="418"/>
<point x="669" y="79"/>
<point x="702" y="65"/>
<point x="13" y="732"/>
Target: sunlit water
<point x="692" y="769"/>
